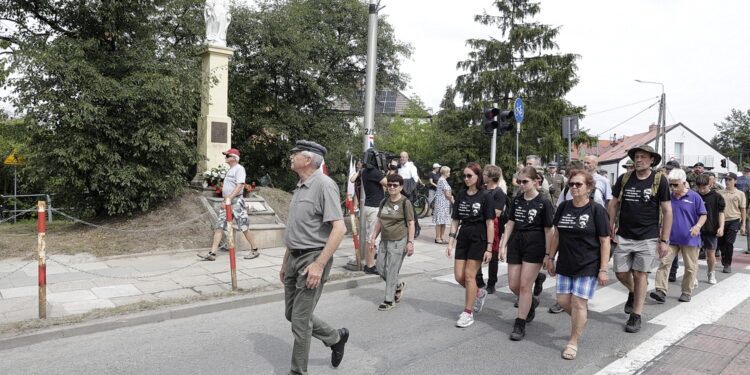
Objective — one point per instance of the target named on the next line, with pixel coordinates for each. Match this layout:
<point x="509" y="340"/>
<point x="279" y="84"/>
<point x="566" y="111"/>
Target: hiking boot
<point x="337" y="349"/>
<point x="672" y="277"/>
<point x="254" y="253"/>
<point x="556" y="309"/>
<point x="465" y="320"/>
<point x="634" y="323"/>
<point x="539" y="283"/>
<point x="629" y="304"/>
<point x="399" y="291"/>
<point x="712" y="278"/>
<point x="658" y="295"/>
<point x="490" y="289"/>
<point x="532" y="310"/>
<point x="519" y="330"/>
<point x="727" y="269"/>
<point x="208" y="256"/>
<point x="479" y="300"/>
<point x="684" y="297"/>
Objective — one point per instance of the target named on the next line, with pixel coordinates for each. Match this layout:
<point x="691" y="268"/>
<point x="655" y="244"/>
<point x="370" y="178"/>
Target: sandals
<point x="254" y="253"/>
<point x="570" y="352"/>
<point x="438" y="241"/>
<point x="210" y="256"/>
<point x="399" y="291"/>
<point x="385" y="306"/>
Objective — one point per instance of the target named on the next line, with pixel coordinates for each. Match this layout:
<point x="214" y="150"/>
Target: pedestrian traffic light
<point x="493" y="118"/>
<point x="723" y="163"/>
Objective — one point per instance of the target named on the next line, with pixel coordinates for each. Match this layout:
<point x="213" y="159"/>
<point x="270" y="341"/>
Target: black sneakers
<point x="629" y="303"/>
<point x="539" y="283"/>
<point x="371" y="270"/>
<point x="337" y="349"/>
<point x="634" y="323"/>
<point x="532" y="311"/>
<point x="490" y="289"/>
<point x="556" y="309"/>
<point x="672" y="277"/>
<point x="658" y="295"/>
<point x="519" y="330"/>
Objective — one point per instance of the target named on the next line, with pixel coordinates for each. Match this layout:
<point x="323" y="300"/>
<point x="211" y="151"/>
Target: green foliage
<point x="11" y="137"/>
<point x="415" y="133"/>
<point x="292" y="60"/>
<point x="733" y="136"/>
<point x="520" y="63"/>
<point x="111" y="94"/>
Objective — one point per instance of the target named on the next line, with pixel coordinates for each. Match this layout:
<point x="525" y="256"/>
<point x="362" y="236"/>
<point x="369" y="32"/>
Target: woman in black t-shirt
<point x="527" y="233"/>
<point x="582" y="239"/>
<point x="474" y="210"/>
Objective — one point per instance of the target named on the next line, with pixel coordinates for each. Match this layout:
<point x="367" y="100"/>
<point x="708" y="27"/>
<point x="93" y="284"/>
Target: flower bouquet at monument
<point x="215" y="175"/>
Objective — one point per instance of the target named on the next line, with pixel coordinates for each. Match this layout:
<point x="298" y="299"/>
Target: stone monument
<point x="214" y="125"/>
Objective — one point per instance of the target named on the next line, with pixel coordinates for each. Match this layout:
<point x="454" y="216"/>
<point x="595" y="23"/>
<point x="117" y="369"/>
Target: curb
<point x="175" y="312"/>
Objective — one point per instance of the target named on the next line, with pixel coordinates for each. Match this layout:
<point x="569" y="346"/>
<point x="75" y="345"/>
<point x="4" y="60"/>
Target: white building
<point x="683" y="145"/>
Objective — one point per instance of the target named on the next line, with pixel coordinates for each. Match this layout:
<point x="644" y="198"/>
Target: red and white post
<point x="230" y="242"/>
<point x="41" y="244"/>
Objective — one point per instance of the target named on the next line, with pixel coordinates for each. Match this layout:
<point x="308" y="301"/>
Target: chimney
<point x="652" y="127"/>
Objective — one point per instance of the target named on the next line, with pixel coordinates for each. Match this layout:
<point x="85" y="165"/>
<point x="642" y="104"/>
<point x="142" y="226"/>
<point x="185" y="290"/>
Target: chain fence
<point x="129" y="277"/>
<point x="24" y="212"/>
<point x="17" y="269"/>
<point x="157" y="229"/>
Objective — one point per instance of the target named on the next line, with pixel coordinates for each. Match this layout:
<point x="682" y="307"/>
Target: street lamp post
<point x="661" y="128"/>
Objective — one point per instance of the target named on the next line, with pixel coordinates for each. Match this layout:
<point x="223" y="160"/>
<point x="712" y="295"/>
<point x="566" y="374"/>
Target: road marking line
<point x="705" y="308"/>
<point x="502" y="269"/>
<point x="615" y="293"/>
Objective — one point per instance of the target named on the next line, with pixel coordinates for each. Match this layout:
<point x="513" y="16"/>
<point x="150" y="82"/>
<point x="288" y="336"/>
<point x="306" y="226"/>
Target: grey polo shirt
<point x="315" y="205"/>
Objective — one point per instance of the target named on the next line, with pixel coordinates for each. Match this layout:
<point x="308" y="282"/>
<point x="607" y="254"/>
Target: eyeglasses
<point x="674" y="185"/>
<point x="394" y="185"/>
<point x="468" y="175"/>
<point x="576" y="185"/>
<point x="524" y="182"/>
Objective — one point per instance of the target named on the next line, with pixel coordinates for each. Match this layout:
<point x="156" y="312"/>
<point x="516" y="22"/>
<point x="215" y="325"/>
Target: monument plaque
<point x="218" y="132"/>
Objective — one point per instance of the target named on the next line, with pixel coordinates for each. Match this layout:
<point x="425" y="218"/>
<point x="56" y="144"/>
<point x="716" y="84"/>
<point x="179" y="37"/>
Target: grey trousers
<point x="300" y="303"/>
<point x="390" y="258"/>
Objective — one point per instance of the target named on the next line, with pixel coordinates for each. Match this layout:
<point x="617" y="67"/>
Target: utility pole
<point x="661" y="127"/>
<point x="368" y="134"/>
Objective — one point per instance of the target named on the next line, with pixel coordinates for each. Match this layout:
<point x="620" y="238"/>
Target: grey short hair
<point x="316" y="159"/>
<point x="677" y="174"/>
<point x="536" y="159"/>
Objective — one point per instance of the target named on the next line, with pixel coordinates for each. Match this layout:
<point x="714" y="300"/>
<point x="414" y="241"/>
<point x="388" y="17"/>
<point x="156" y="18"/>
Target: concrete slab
<point x="72" y="296"/>
<point x="68" y="286"/>
<point x="157" y="286"/>
<point x="120" y="301"/>
<point x="80" y="307"/>
<point x="179" y="293"/>
<point x="24" y="291"/>
<point x="110" y="281"/>
<point x="18" y="304"/>
<point x="124" y="290"/>
<point x="25" y="314"/>
<point x="253" y="263"/>
<point x="213" y="289"/>
<point x="189" y="281"/>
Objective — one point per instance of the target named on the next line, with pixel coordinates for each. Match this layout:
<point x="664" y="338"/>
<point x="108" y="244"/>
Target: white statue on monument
<point x="216" y="13"/>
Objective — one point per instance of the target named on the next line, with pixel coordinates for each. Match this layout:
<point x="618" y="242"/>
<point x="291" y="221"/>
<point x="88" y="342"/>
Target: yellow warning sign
<point x="13" y="158"/>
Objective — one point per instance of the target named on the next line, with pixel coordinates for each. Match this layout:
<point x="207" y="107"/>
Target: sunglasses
<point x="575" y="184"/>
<point x="394" y="185"/>
<point x="524" y="182"/>
<point x="468" y="175"/>
<point x="674" y="185"/>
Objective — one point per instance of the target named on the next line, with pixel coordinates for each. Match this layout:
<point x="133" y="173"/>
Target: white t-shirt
<point x="602" y="184"/>
<point x="235" y="176"/>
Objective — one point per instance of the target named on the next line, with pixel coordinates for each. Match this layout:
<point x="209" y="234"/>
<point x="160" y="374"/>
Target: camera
<point x="379" y="159"/>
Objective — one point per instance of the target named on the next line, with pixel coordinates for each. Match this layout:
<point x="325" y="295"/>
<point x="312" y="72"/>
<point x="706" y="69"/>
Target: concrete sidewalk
<point x="81" y="283"/>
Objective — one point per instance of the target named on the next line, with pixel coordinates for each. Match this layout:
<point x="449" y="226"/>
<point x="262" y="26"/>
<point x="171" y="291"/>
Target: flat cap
<point x="303" y="145"/>
<point x="746" y="168"/>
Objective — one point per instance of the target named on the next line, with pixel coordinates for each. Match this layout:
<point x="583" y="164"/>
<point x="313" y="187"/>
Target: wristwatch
<point x="453" y="235"/>
<point x="665" y="241"/>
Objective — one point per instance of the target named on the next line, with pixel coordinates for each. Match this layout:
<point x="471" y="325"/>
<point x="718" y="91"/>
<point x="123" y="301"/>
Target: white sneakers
<point x="712" y="278"/>
<point x="465" y="320"/>
<point x="479" y="300"/>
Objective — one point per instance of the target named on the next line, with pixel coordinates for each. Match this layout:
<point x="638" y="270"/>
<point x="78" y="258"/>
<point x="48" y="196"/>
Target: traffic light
<point x="493" y="118"/>
<point x="723" y="163"/>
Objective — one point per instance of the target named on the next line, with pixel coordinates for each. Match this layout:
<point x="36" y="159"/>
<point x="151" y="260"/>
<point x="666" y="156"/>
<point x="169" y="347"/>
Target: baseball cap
<point x="232" y="151"/>
<point x="731" y="175"/>
<point x="436" y="165"/>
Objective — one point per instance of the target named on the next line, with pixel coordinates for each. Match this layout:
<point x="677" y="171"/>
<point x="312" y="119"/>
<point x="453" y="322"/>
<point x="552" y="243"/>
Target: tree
<point x="110" y="91"/>
<point x="733" y="135"/>
<point x="414" y="132"/>
<point x="293" y="60"/>
<point x="520" y="63"/>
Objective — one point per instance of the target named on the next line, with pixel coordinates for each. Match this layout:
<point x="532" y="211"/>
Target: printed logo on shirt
<point x="583" y="221"/>
<point x="532" y="215"/>
<point x="475" y="209"/>
<point x="646" y="194"/>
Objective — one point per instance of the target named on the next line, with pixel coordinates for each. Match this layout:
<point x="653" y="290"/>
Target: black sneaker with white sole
<point x="634" y="323"/>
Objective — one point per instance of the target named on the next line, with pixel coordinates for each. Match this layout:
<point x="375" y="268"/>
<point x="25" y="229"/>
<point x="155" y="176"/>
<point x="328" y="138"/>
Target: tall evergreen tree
<point x="733" y="136"/>
<point x="521" y="62"/>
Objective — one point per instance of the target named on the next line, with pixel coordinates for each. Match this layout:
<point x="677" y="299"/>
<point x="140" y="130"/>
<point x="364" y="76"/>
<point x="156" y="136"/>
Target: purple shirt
<point x="685" y="214"/>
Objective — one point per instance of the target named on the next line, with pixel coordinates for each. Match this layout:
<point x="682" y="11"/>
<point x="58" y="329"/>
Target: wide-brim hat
<point x="303" y="145"/>
<point x="645" y="148"/>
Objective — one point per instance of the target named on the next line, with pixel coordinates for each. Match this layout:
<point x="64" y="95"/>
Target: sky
<point x="699" y="50"/>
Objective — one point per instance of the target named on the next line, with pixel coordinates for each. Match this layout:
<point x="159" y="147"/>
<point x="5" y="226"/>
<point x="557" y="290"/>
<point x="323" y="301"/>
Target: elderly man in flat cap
<point x="314" y="231"/>
<point x="234" y="184"/>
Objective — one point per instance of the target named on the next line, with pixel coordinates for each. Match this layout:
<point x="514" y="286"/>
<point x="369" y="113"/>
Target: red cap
<point x="232" y="151"/>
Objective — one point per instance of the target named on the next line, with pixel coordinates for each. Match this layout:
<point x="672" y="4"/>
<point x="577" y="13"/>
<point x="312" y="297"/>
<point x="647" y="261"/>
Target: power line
<point x="622" y="106"/>
<point x="629" y="118"/>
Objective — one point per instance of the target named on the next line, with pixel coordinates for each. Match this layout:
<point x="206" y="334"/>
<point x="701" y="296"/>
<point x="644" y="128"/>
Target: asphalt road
<point x="417" y="337"/>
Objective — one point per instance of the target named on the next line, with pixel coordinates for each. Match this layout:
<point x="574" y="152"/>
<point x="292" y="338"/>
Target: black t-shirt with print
<point x="639" y="206"/>
<point x="579" y="251"/>
<point x="531" y="215"/>
<point x="473" y="209"/>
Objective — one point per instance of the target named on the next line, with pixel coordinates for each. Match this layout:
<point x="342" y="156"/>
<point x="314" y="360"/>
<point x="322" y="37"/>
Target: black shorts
<point x="471" y="242"/>
<point x="526" y="247"/>
<point x="709" y="242"/>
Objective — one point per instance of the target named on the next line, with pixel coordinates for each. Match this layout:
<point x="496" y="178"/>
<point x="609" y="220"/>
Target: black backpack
<point x="417" y="228"/>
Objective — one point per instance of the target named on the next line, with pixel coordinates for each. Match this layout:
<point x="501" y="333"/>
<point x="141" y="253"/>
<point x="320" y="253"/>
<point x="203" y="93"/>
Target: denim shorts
<point x="582" y="287"/>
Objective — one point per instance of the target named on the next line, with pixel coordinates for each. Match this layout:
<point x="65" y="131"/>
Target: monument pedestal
<point x="214" y="125"/>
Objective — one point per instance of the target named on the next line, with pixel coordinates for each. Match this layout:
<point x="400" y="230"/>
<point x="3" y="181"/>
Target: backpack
<point x="417" y="228"/>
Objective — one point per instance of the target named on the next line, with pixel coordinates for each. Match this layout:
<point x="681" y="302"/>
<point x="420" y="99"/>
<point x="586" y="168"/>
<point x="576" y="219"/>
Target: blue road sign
<point x="518" y="109"/>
